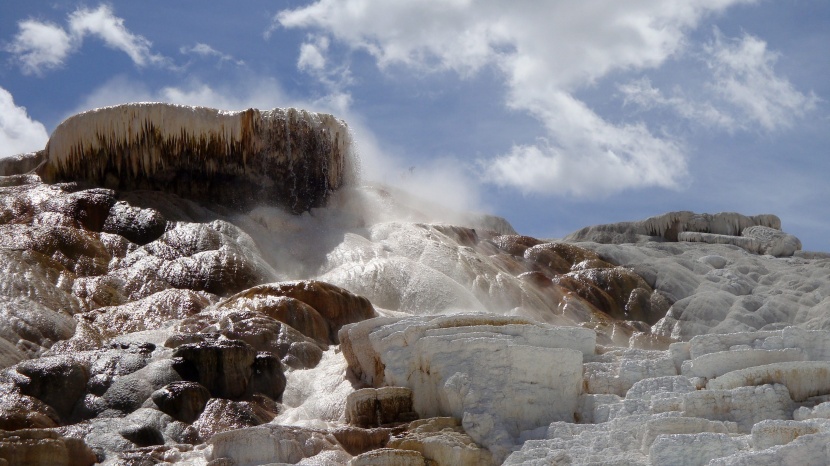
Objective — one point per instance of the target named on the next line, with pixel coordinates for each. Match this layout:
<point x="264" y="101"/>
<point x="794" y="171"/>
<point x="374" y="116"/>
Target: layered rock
<point x="668" y="227"/>
<point x="460" y="366"/>
<point x="43" y="447"/>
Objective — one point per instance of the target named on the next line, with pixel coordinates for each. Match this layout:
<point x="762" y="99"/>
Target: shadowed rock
<point x="263" y="333"/>
<point x="57" y="381"/>
<point x="183" y="401"/>
<point x="224" y="367"/>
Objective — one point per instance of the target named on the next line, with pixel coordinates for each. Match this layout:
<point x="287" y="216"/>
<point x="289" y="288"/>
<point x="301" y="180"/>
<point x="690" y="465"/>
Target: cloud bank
<point x="549" y="51"/>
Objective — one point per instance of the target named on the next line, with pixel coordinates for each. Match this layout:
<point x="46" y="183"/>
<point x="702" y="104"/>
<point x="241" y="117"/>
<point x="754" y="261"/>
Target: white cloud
<point x="40" y="46"/>
<point x="312" y="55"/>
<point x="745" y="78"/>
<point x="546" y="50"/>
<point x="744" y="93"/>
<point x="18" y="132"/>
<point x="698" y="109"/>
<point x="591" y="157"/>
<point x="103" y="24"/>
<point x="205" y="50"/>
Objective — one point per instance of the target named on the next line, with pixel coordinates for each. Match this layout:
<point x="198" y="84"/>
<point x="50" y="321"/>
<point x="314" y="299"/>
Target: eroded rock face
<point x="44" y="447"/>
<point x="221" y="415"/>
<point x="374" y="407"/>
<point x="199" y="153"/>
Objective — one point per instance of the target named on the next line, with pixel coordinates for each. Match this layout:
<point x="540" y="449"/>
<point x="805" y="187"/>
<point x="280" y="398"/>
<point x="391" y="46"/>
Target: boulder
<point x="128" y="392"/>
<point x="224" y="367"/>
<point x="773" y="241"/>
<point x="25" y="412"/>
<point x="59" y="381"/>
<point x="356" y="440"/>
<point x="268" y="378"/>
<point x="268" y="301"/>
<point x="138" y="225"/>
<point x="149" y="313"/>
<point x="183" y="401"/>
<point x="221" y="415"/>
<point x="336" y="305"/>
<point x="263" y="333"/>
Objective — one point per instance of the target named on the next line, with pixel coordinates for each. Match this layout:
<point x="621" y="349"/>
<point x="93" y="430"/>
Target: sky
<point x="555" y="114"/>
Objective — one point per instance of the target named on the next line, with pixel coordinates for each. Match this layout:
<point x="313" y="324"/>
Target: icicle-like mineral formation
<point x="289" y="157"/>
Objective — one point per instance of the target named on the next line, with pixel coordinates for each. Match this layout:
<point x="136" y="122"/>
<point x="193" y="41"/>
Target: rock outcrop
<point x="668" y="226"/>
<point x="288" y="157"/>
<point x="456" y="365"/>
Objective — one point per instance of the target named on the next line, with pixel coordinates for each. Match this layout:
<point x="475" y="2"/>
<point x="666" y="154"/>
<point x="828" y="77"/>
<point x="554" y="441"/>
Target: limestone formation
<point x="441" y="441"/>
<point x="668" y="226"/>
<point x="453" y="364"/>
<point x="289" y="157"/>
<point x="276" y="444"/>
<point x="43" y="447"/>
<point x="374" y="407"/>
<point x="327" y="307"/>
<point x="140" y="326"/>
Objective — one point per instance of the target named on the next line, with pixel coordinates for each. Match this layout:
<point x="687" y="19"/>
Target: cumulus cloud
<point x="744" y="93"/>
<point x="590" y="156"/>
<point x="546" y="51"/>
<point x="18" y="132"/>
<point x="41" y="46"/>
<point x="312" y="54"/>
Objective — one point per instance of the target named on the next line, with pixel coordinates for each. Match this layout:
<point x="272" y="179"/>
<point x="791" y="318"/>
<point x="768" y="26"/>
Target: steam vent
<point x="289" y="157"/>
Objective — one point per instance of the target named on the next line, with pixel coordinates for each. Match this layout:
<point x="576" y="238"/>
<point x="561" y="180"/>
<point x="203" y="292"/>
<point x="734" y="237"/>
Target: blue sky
<point x="553" y="114"/>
